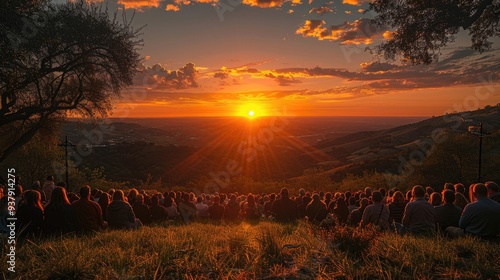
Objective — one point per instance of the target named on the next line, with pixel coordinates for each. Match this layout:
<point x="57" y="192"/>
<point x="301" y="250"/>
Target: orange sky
<point x="305" y="57"/>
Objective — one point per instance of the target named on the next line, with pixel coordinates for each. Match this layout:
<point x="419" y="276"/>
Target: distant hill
<point x="382" y="150"/>
<point x="182" y="150"/>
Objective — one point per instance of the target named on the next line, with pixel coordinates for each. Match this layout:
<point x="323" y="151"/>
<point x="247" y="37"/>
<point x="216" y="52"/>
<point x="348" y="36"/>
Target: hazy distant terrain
<point x="180" y="150"/>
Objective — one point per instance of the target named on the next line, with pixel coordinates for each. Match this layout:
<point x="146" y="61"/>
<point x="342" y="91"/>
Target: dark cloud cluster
<point x="361" y="31"/>
<point x="157" y="75"/>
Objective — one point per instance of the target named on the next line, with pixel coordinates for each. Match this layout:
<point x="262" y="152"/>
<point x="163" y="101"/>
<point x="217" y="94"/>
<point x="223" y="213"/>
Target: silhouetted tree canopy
<point x="423" y="27"/>
<point x="57" y="60"/>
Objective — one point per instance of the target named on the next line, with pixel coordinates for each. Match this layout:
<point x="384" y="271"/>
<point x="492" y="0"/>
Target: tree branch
<point x="479" y="12"/>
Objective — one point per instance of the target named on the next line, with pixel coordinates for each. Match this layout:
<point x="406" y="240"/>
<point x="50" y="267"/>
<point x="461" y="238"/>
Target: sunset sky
<point x="299" y="57"/>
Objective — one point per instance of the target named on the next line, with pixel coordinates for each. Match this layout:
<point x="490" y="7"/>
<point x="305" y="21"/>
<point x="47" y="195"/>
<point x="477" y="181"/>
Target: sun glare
<point x="251" y="110"/>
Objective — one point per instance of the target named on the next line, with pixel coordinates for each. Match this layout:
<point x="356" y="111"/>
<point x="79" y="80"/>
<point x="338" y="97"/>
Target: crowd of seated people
<point x="453" y="211"/>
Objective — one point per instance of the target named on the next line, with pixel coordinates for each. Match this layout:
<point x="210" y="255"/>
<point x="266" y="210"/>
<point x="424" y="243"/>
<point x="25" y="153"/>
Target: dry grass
<point x="252" y="251"/>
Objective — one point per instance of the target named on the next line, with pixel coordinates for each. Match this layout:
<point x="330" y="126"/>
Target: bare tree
<point x="59" y="60"/>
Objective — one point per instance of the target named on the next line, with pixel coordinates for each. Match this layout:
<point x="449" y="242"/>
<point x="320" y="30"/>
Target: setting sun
<point x="251" y="114"/>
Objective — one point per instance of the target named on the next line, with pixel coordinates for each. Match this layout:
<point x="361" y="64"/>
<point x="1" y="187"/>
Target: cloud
<point x="377" y="66"/>
<point x="264" y="3"/>
<point x="313" y="28"/>
<point x="354" y="2"/>
<point x="348" y="12"/>
<point x="361" y="31"/>
<point x="321" y="10"/>
<point x="290" y="11"/>
<point x="135" y="4"/>
<point x="172" y="7"/>
<point x="158" y="76"/>
<point x="283" y="80"/>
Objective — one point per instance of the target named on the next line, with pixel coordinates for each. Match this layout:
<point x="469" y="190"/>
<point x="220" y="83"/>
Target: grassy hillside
<point x="253" y="251"/>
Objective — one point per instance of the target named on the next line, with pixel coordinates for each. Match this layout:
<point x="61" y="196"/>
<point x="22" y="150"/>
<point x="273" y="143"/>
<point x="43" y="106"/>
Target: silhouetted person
<point x="216" y="210"/>
<point x="232" y="209"/>
<point x="284" y="208"/>
<point x="397" y="207"/>
<point x="141" y="210"/>
<point x="59" y="214"/>
<point x="30" y="214"/>
<point x="88" y="214"/>
<point x="377" y="213"/>
<point x="447" y="214"/>
<point x="120" y="213"/>
<point x="341" y="211"/>
<point x="158" y="212"/>
<point x="419" y="216"/>
<point x="316" y="210"/>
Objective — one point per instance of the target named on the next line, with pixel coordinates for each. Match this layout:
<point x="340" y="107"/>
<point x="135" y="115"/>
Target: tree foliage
<point x="423" y="27"/>
<point x="57" y="60"/>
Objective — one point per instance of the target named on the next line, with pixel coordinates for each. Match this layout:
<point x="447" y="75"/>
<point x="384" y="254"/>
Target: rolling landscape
<point x="177" y="151"/>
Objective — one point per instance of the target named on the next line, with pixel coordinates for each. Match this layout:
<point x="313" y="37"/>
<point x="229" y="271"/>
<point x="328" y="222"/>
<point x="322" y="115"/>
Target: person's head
<point x="449" y="196"/>
<point x="118" y="195"/>
<point x="154" y="200"/>
<point x="368" y="191"/>
<point x="284" y="193"/>
<point x="492" y="187"/>
<point x="50" y="178"/>
<point x="429" y="190"/>
<point x="460" y="188"/>
<point x="398" y="197"/>
<point x="139" y="199"/>
<point x="61" y="184"/>
<point x="111" y="192"/>
<point x="36" y="185"/>
<point x="382" y="191"/>
<point x="59" y="197"/>
<point x="216" y="199"/>
<point x="435" y="199"/>
<point x="480" y="190"/>
<point x="132" y="193"/>
<point x="408" y="195"/>
<point x="377" y="196"/>
<point x="364" y="203"/>
<point x="352" y="200"/>
<point x="340" y="203"/>
<point x="302" y="192"/>
<point x="460" y="200"/>
<point x="104" y="199"/>
<point x="251" y="199"/>
<point x="85" y="192"/>
<point x="448" y="186"/>
<point x="347" y="195"/>
<point x="33" y="198"/>
<point x="418" y="192"/>
<point x="316" y="197"/>
<point x="328" y="196"/>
